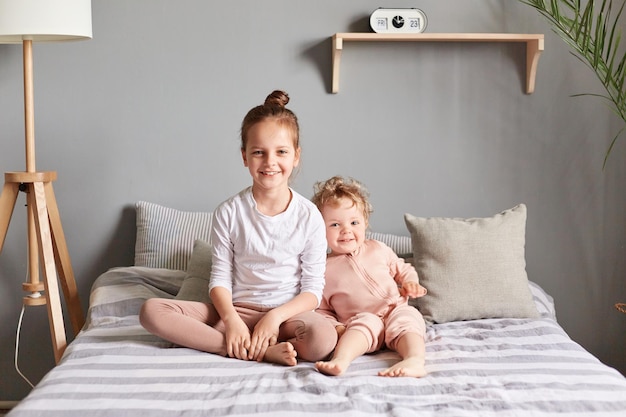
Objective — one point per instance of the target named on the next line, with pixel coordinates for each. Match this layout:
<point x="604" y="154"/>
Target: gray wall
<point x="150" y="110"/>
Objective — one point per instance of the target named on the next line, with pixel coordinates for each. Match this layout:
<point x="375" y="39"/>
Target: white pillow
<point x="165" y="236"/>
<point x="472" y="268"/>
<point x="543" y="301"/>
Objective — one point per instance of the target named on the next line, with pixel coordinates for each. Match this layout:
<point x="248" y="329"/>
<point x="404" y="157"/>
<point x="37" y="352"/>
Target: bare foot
<point x="281" y="353"/>
<point x="413" y="367"/>
<point x="333" y="367"/>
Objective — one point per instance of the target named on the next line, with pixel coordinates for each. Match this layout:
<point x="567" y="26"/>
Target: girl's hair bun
<point x="277" y="98"/>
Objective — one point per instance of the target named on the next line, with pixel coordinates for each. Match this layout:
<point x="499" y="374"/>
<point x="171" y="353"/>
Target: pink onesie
<point x="361" y="292"/>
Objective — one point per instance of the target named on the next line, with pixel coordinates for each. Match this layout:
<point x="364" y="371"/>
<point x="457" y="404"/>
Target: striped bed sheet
<point x="491" y="367"/>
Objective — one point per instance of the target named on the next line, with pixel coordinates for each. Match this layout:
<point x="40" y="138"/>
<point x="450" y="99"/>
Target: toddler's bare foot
<point x="413" y="367"/>
<point x="333" y="367"/>
<point x="281" y="353"/>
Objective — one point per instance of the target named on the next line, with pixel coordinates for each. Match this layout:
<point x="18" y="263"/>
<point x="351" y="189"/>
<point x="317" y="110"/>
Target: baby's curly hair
<point x="332" y="190"/>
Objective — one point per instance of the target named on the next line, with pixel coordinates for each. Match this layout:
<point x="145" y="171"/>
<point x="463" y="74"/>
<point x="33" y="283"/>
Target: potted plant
<point x="592" y="32"/>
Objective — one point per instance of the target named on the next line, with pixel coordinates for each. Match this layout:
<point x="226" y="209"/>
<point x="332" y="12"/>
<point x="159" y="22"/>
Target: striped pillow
<point x="401" y="245"/>
<point x="165" y="236"/>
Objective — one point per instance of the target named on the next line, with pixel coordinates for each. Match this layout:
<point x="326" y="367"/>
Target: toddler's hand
<point x="412" y="289"/>
<point x="341" y="329"/>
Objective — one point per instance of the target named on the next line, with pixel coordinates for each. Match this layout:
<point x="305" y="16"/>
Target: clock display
<point x="381" y="23"/>
<point x="410" y="20"/>
<point x="415" y="24"/>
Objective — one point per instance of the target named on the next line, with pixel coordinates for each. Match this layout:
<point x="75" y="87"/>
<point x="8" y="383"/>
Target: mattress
<point x="488" y="367"/>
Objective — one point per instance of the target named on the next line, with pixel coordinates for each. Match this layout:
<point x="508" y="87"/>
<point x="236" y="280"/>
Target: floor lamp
<point x="25" y="22"/>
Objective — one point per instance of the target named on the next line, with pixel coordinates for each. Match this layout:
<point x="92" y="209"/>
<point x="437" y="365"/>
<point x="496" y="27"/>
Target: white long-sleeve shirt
<point x="268" y="260"/>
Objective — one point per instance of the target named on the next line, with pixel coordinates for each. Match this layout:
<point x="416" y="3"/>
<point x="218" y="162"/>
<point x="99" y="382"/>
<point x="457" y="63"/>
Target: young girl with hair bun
<point x="269" y="256"/>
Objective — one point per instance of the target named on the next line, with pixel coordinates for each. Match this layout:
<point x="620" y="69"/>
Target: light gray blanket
<point x="494" y="367"/>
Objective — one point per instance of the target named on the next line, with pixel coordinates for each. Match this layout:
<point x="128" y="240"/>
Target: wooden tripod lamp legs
<point x="45" y="226"/>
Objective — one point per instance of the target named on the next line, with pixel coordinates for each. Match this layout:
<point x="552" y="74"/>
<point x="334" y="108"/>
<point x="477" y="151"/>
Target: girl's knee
<point x="146" y="313"/>
<point x="151" y="312"/>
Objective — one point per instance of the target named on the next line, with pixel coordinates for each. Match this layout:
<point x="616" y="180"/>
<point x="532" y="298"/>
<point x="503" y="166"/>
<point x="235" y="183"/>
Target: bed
<point x="518" y="362"/>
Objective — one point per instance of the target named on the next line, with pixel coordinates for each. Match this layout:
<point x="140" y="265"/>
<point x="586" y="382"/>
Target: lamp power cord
<point x="17" y="342"/>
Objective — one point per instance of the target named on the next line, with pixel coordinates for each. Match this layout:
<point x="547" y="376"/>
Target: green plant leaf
<point x="592" y="32"/>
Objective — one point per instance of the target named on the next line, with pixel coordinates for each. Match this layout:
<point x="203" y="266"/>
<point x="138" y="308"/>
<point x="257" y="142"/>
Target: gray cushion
<point x="196" y="284"/>
<point x="472" y="268"/>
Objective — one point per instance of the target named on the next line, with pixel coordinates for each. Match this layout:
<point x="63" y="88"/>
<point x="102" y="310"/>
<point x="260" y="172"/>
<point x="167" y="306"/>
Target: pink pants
<point x="198" y="326"/>
<point x="389" y="329"/>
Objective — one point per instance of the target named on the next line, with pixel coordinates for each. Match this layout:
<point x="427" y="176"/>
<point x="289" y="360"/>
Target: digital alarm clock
<point x="411" y="20"/>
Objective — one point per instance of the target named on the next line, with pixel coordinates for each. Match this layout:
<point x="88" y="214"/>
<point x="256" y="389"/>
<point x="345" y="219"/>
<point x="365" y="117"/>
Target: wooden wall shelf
<point x="534" y="46"/>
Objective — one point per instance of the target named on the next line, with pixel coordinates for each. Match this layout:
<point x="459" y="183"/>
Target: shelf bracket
<point x="534" y="47"/>
<point x="337" y="49"/>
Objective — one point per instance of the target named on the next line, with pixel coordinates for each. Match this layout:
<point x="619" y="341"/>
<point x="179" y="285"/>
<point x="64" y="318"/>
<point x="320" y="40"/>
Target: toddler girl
<point x="367" y="286"/>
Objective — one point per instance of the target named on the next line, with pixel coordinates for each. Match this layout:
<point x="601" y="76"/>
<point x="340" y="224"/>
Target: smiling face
<point x="270" y="155"/>
<point x="345" y="226"/>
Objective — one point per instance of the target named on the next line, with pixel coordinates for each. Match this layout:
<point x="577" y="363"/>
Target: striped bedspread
<point x="496" y="367"/>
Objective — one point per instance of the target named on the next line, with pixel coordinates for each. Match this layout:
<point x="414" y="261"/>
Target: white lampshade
<point x="44" y="20"/>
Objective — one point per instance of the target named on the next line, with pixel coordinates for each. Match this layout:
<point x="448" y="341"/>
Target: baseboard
<point x="7" y="405"/>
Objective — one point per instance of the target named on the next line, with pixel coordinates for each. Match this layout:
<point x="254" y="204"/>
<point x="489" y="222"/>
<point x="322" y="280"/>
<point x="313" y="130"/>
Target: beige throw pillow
<point x="472" y="268"/>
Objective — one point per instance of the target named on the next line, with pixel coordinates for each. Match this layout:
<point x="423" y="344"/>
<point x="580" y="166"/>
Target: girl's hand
<point x="412" y="289"/>
<point x="265" y="334"/>
<point x="237" y="338"/>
